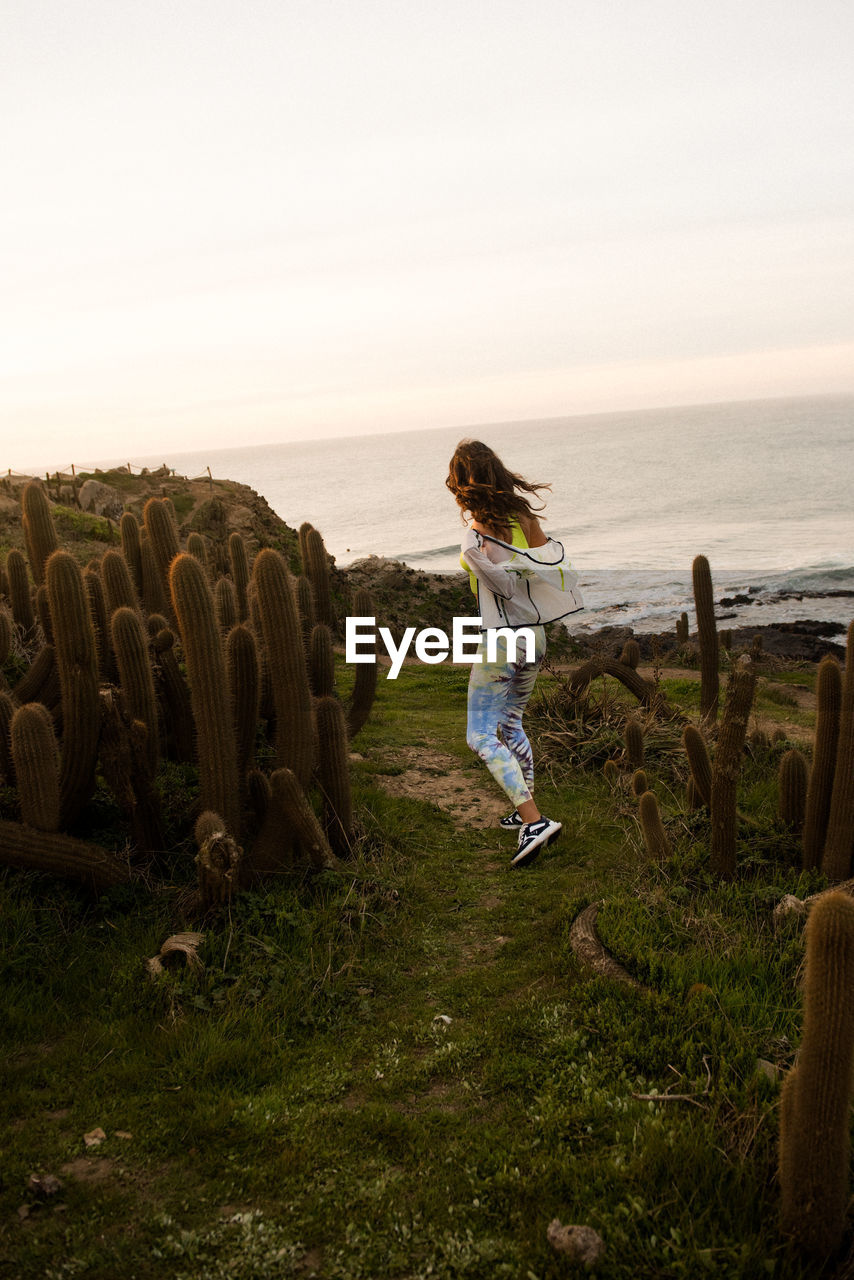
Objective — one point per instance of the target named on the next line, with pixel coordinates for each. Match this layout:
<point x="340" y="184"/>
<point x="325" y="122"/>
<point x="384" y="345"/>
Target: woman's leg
<point x="498" y="694"/>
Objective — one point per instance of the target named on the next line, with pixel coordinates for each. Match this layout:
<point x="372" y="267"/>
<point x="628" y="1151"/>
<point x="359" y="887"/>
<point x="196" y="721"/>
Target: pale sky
<point x="228" y="222"/>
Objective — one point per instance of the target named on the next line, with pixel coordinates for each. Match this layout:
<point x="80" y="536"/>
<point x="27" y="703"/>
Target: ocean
<point x="762" y="488"/>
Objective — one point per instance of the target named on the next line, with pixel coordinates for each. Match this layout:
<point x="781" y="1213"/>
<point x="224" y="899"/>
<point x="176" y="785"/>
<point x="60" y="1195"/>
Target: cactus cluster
<point x="155" y="651"/>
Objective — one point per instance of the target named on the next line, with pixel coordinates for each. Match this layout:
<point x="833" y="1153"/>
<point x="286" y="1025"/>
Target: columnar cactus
<point x="682" y="631"/>
<point x="61" y="855"/>
<point x="333" y="769"/>
<point x="698" y="758"/>
<point x="286" y="663"/>
<point x="174" y="695"/>
<point x="19" y="592"/>
<point x="218" y="861"/>
<point x="289" y="797"/>
<point x="631" y="654"/>
<point x="839" y="842"/>
<point x="365" y="680"/>
<point x="793" y="776"/>
<point x="727" y="766"/>
<point x="31" y="686"/>
<point x="302" y="535"/>
<point x="130" y="645"/>
<point x="196" y="546"/>
<point x="316" y="566"/>
<point x="816" y="1098"/>
<point x="153" y="591"/>
<point x="829" y="705"/>
<point x="704" y="602"/>
<point x="633" y="737"/>
<point x="322" y="665"/>
<point x="239" y="558"/>
<point x="43" y="611"/>
<point x="131" y="548"/>
<point x="654" y="835"/>
<point x="39" y="531"/>
<point x="639" y="782"/>
<point x="119" y="589"/>
<point x="5" y="635"/>
<point x="244" y="678"/>
<point x="159" y="519"/>
<point x="98" y="611"/>
<point x="127" y="771"/>
<point x="35" y="755"/>
<point x="209" y="691"/>
<point x="225" y="602"/>
<point x="7" y="711"/>
<point x="77" y="661"/>
<point x="305" y="607"/>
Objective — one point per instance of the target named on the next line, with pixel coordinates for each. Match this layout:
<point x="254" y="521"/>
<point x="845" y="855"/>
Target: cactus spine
<point x="794" y="772"/>
<point x="698" y="758"/>
<point x="239" y="559"/>
<point x="365" y="681"/>
<point x="286" y="664"/>
<point x="334" y="774"/>
<point x="39" y="531"/>
<point x="131" y="649"/>
<point x="316" y="566"/>
<point x="820" y="788"/>
<point x="654" y="835"/>
<point x="816" y="1097"/>
<point x="704" y="603"/>
<point x="633" y="738"/>
<point x="839" y="842"/>
<point x="727" y="766"/>
<point x="35" y="755"/>
<point x="209" y="691"/>
<point x="77" y="661"/>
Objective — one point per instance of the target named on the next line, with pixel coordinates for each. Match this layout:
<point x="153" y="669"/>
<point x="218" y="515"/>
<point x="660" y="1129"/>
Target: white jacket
<point x="520" y="587"/>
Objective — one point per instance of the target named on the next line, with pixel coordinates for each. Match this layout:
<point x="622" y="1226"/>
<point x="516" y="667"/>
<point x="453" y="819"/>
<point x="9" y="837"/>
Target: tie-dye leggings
<point x="498" y="693"/>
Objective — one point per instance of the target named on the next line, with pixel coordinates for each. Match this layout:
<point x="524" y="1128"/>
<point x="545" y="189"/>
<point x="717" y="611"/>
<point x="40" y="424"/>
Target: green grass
<point x="303" y="1108"/>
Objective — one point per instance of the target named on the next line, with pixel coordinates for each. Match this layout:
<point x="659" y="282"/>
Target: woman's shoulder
<point x="532" y="529"/>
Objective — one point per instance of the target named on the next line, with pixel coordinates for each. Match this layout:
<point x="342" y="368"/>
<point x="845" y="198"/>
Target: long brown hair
<point x="484" y="487"/>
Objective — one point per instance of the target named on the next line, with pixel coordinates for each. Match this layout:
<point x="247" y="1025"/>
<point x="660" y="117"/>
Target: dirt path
<point x="439" y="779"/>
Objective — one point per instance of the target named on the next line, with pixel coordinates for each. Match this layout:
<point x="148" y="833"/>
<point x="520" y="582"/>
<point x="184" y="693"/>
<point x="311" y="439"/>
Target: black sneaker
<point x="512" y="822"/>
<point x="533" y="837"/>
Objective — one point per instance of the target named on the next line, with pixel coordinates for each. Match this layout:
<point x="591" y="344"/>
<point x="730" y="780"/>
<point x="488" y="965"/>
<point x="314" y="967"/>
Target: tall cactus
<point x="209" y="691"/>
<point x="682" y="631"/>
<point x="43" y="611"/>
<point x="127" y="772"/>
<point x="225" y="602"/>
<point x="633" y="738"/>
<point x="158" y="517"/>
<point x="704" y="602"/>
<point x="698" y="758"/>
<point x="174" y="695"/>
<point x="39" y="530"/>
<point x="77" y="661"/>
<point x="839" y="842"/>
<point x="727" y="767"/>
<point x="365" y="679"/>
<point x="20" y="597"/>
<point x="35" y="753"/>
<point x="322" y="665"/>
<point x="7" y="711"/>
<point x="286" y="663"/>
<point x="654" y="835"/>
<point x="316" y="566"/>
<point x="239" y="558"/>
<point x="154" y="595"/>
<point x="131" y="549"/>
<point x="130" y="645"/>
<point x="5" y="636"/>
<point x="829" y="705"/>
<point x="32" y="683"/>
<point x="333" y="769"/>
<point x="630" y="654"/>
<point x="816" y="1098"/>
<point x="218" y="861"/>
<point x="288" y="796"/>
<point x="304" y="595"/>
<point x="196" y="546"/>
<point x="98" y="611"/>
<point x="244" y="678"/>
<point x="119" y="589"/>
<point x="793" y="777"/>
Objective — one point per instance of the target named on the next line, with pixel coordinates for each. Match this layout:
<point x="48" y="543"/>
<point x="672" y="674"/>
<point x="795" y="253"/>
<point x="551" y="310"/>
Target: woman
<point x="520" y="578"/>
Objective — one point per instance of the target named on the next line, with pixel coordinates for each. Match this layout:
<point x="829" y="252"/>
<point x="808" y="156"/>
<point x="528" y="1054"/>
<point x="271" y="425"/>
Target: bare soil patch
<point x="439" y="779"/>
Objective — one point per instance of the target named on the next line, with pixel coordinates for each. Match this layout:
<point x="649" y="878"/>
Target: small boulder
<point x="580" y="1244"/>
<point x="101" y="499"/>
